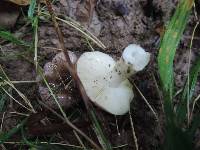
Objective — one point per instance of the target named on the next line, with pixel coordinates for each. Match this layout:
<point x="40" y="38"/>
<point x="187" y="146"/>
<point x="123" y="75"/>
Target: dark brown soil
<point x="117" y="24"/>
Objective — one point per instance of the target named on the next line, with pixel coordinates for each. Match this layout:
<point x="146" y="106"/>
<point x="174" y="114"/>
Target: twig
<point x="79" y="28"/>
<point x="159" y="92"/>
<point x="70" y="66"/>
<point x="36" y="40"/>
<point x="26" y="100"/>
<point x="156" y="116"/>
<point x="7" y="81"/>
<point x="20" y="114"/>
<point x="63" y="144"/>
<point x="133" y="131"/>
<point x="116" y="122"/>
<point x="188" y="69"/>
<point x="16" y="100"/>
<point x="79" y="140"/>
<point x="120" y="146"/>
<point x="193" y="106"/>
<point x="69" y="123"/>
<point x="17" y="82"/>
<point x="2" y="119"/>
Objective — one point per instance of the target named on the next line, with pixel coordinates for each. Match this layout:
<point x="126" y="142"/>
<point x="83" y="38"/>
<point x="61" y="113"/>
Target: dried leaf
<point x="23" y="2"/>
<point x="20" y="2"/>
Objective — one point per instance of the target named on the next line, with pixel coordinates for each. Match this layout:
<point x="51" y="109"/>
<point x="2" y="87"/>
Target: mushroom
<point x="58" y="77"/>
<point x="106" y="80"/>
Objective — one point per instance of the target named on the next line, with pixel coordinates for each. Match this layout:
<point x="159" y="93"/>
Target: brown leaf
<point x="23" y="2"/>
<point x="20" y="2"/>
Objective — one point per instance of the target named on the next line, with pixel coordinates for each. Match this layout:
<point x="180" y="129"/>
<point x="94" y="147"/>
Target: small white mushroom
<point x="106" y="81"/>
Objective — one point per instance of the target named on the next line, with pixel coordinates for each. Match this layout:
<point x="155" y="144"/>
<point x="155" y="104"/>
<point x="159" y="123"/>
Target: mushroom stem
<point x="120" y="72"/>
<point x="125" y="70"/>
<point x="134" y="58"/>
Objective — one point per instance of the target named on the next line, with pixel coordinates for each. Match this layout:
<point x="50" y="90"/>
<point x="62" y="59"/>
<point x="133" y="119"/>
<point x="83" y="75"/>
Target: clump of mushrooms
<point x="104" y="79"/>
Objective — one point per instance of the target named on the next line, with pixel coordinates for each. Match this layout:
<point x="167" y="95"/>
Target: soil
<point x="117" y="24"/>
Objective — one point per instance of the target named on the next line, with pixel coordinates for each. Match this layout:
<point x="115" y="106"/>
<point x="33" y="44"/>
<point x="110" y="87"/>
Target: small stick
<point x="70" y="124"/>
<point x="145" y="100"/>
<point x="79" y="140"/>
<point x="70" y="66"/>
<point x="133" y="131"/>
<point x="2" y="120"/>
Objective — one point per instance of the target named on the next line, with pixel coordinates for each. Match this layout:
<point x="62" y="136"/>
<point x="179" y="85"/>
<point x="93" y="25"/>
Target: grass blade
<point x="7" y="81"/>
<point x="194" y="73"/>
<point x="100" y="135"/>
<point x="87" y="34"/>
<point x="176" y="138"/>
<point x="11" y="38"/>
<point x="170" y="42"/>
<point x="31" y="9"/>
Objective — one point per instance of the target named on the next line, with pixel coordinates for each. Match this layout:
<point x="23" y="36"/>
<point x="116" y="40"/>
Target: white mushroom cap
<point x="93" y="69"/>
<point x="136" y="56"/>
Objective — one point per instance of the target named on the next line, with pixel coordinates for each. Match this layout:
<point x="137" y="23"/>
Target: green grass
<point x="6" y="35"/>
<point x="180" y="128"/>
<point x="170" y="42"/>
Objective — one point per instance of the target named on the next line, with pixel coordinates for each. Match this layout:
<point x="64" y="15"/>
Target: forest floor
<point x="116" y="24"/>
